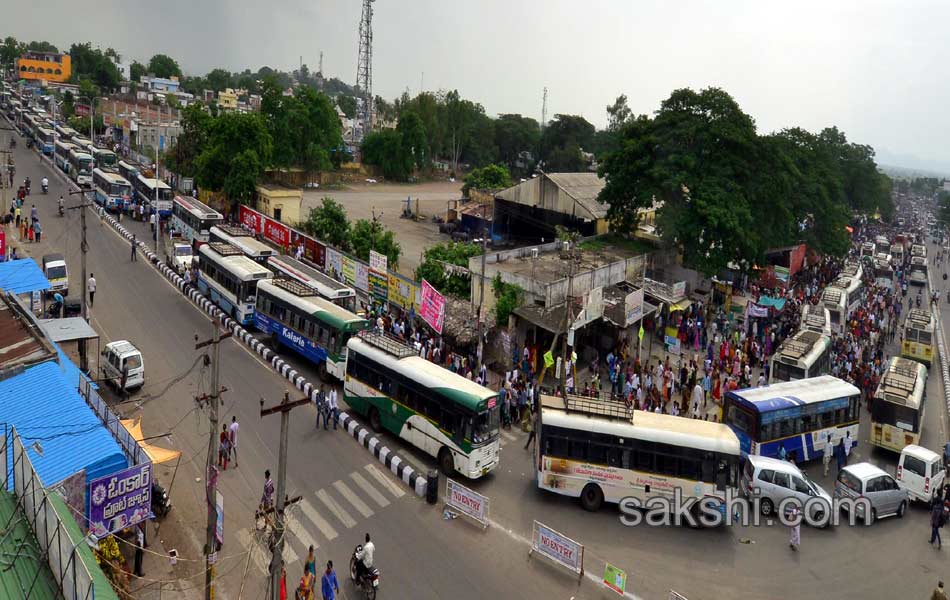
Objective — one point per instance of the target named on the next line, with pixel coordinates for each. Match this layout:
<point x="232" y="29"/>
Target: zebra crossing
<point x="322" y="515"/>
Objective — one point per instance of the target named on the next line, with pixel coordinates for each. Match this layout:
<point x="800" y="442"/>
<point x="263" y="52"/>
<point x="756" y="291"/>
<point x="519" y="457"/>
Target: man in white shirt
<point x="333" y="407"/>
<point x="364" y="558"/>
<point x="91" y="288"/>
<point x="232" y="433"/>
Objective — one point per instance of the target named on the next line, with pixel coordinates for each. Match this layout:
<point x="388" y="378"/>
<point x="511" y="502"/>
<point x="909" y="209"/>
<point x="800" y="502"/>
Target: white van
<point x="920" y="472"/>
<point x="121" y="356"/>
<point x="778" y="479"/>
<point x="54" y="268"/>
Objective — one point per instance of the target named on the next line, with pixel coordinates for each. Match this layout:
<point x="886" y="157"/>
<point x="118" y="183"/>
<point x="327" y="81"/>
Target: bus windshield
<point x="487" y="424"/>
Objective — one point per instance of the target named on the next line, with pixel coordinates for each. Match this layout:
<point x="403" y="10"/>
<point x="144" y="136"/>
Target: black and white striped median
<point x="399" y="467"/>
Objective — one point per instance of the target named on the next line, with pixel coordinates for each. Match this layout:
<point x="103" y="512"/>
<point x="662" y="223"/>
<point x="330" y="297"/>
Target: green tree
<point x="162" y="65"/>
<point x="36" y="46"/>
<point x="433" y="268"/>
<point x="81" y="124"/>
<point x="508" y="297"/>
<point x="561" y="137"/>
<point x="515" y="134"/>
<point x="565" y="159"/>
<point x="414" y="140"/>
<point x="92" y="64"/>
<point x="492" y="177"/>
<point x="136" y="70"/>
<point x="328" y="223"/>
<point x="238" y="148"/>
<point x="618" y="113"/>
<point x="196" y="127"/>
<point x="218" y="79"/>
<point x="385" y="149"/>
<point x="347" y="104"/>
<point x="461" y="120"/>
<point x="10" y="50"/>
<point x="304" y="126"/>
<point x="369" y="235"/>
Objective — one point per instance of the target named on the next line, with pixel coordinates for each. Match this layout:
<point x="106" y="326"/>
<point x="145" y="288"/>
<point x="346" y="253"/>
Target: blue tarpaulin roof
<point x="45" y="407"/>
<point x="778" y="303"/>
<point x="22" y="276"/>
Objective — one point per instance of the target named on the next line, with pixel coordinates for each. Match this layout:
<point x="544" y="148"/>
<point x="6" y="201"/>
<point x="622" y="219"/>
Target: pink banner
<point x="432" y="307"/>
<point x="251" y="219"/>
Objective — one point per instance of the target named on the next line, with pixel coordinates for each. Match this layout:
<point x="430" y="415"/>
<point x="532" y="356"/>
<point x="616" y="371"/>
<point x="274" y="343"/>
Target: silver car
<point x="884" y="493"/>
<point x="777" y="480"/>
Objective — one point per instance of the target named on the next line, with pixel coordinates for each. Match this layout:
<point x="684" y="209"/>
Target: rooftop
<point x="22" y="343"/>
<point x="550" y="266"/>
<point x="28" y="574"/>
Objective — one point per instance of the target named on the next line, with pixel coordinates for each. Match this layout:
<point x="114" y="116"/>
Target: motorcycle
<point x="369" y="583"/>
<point x="45" y="188"/>
<point x="62" y="210"/>
<point x="160" y="502"/>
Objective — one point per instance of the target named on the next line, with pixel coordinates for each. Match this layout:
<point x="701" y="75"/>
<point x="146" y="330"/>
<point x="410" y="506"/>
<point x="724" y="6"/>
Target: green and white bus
<point x="439" y="412"/>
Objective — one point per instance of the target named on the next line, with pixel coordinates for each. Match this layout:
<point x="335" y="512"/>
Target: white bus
<point x="104" y="159"/>
<point x="835" y="300"/>
<point x="805" y="354"/>
<point x="244" y="240"/>
<point x="112" y="190"/>
<point x="61" y="155"/>
<point x="44" y="140"/>
<point x="145" y="191"/>
<point x="918" y="250"/>
<point x="854" y="291"/>
<point x="128" y="169"/>
<point x="868" y="250"/>
<point x="293" y="314"/>
<point x="193" y="219"/>
<point x="66" y="133"/>
<point x="600" y="451"/>
<point x="437" y="411"/>
<point x="882" y="245"/>
<point x="897" y="408"/>
<point x="816" y="318"/>
<point x="335" y="291"/>
<point x="918" y="270"/>
<point x="80" y="168"/>
<point x="230" y="280"/>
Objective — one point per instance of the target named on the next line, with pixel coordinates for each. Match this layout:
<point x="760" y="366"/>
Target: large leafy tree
<point x="328" y="222"/>
<point x="369" y="235"/>
<point x="10" y="50"/>
<point x="462" y="118"/>
<point x="386" y="150"/>
<point x="304" y="127"/>
<point x="196" y="128"/>
<point x="563" y="139"/>
<point x="347" y="104"/>
<point x="515" y="134"/>
<point x="414" y="141"/>
<point x="238" y="148"/>
<point x="162" y="65"/>
<point x="92" y="64"/>
<point x="219" y="79"/>
<point x="433" y="268"/>
<point x="136" y="70"/>
<point x="491" y="177"/>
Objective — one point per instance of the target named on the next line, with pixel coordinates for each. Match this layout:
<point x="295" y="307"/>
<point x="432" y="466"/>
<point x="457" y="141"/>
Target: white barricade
<point x="469" y="503"/>
<point x="557" y="547"/>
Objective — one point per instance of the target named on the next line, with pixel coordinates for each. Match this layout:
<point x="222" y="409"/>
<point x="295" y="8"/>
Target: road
<point x="346" y="492"/>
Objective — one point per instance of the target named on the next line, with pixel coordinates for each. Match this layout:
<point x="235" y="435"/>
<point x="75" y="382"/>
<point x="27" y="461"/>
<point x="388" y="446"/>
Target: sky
<point x="874" y="68"/>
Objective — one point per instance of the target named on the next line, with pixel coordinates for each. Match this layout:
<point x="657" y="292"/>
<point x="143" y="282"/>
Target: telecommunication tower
<point x="364" y="69"/>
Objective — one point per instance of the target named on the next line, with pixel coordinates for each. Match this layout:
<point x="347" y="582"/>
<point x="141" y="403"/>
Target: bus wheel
<point x="592" y="497"/>
<point x="446" y="462"/>
<point x="375" y="421"/>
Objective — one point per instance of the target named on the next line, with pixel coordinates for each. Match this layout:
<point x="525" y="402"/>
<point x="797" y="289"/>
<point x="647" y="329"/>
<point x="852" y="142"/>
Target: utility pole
<point x="84" y="249"/>
<point x="571" y="239"/>
<point x="211" y="474"/>
<point x="277" y="542"/>
<point x="157" y="219"/>
<point x="481" y="301"/>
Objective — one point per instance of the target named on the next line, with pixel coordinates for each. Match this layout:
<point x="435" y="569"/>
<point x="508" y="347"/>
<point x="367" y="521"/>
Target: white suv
<point x="777" y="480"/>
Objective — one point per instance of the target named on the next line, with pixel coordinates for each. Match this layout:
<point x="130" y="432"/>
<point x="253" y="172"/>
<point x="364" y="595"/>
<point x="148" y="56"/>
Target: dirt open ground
<point x="389" y="199"/>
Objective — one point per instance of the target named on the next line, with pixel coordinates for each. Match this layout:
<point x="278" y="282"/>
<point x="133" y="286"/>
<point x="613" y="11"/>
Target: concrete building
<point x="228" y="99"/>
<point x="160" y="84"/>
<point x="161" y="135"/>
<point x="278" y="202"/>
<point x="44" y="66"/>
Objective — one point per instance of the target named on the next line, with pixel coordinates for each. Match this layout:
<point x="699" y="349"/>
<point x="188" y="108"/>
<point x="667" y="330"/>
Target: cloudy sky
<point x="877" y="69"/>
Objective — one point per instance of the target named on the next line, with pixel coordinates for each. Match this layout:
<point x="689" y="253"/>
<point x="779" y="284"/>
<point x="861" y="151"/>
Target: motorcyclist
<point x="62" y="205"/>
<point x="26" y="184"/>
<point x="45" y="184"/>
<point x="364" y="559"/>
<point x="57" y="305"/>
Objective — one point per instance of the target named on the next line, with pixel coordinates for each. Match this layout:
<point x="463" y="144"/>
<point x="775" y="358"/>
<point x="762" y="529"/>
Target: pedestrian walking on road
<point x="321" y="401"/>
<point x="827" y="452"/>
<point x="134" y="242"/>
<point x="938" y="519"/>
<point x="91" y="288"/>
<point x="37" y="230"/>
<point x="232" y="433"/>
<point x="795" y="529"/>
<point x="328" y="583"/>
<point x="224" y="449"/>
<point x="939" y="593"/>
<point x="333" y="408"/>
<point x="531" y="434"/>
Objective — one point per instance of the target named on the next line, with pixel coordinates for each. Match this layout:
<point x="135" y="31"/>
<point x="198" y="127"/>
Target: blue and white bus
<point x="61" y="154"/>
<point x="129" y="169"/>
<point x="230" y="280"/>
<point x="294" y="314"/>
<point x="66" y="133"/>
<point x="155" y="193"/>
<point x="44" y="140"/>
<point x="105" y="159"/>
<point x="112" y="190"/>
<point x="80" y="168"/>
<point x="795" y="415"/>
<point x="194" y="219"/>
<point x="241" y="238"/>
<point x="335" y="291"/>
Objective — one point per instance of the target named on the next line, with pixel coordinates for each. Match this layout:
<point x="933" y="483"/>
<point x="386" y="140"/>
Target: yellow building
<point x="280" y="203"/>
<point x="228" y="99"/>
<point x="47" y="66"/>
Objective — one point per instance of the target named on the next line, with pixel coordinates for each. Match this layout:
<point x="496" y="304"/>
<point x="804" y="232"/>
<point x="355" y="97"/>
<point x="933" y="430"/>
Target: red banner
<point x="3" y="245"/>
<point x="251" y="219"/>
<point x="277" y="233"/>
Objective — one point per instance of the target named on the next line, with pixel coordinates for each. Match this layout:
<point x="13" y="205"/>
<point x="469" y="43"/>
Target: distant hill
<point x="910" y="172"/>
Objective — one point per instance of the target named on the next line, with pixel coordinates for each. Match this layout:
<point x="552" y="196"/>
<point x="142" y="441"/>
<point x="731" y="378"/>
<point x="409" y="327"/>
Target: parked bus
<point x="882" y="245"/>
<point x="919" y="344"/>
<point x="337" y="292"/>
<point x="918" y="270"/>
<point x="193" y="219"/>
<point x="897" y="253"/>
<point x="294" y="314"/>
<point x="61" y="155"/>
<point x="796" y="415"/>
<point x="44" y="140"/>
<point x="128" y="169"/>
<point x="805" y="354"/>
<point x="80" y="168"/>
<point x="230" y="280"/>
<point x="241" y="238"/>
<point x="112" y="190"/>
<point x="816" y="318"/>
<point x="835" y="300"/>
<point x="82" y="142"/>
<point x="918" y="250"/>
<point x="28" y="125"/>
<point x="160" y="198"/>
<point x="897" y="408"/>
<point x="104" y="159"/>
<point x="437" y="411"/>
<point x="854" y="292"/>
<point x="66" y="133"/>
<point x="600" y="451"/>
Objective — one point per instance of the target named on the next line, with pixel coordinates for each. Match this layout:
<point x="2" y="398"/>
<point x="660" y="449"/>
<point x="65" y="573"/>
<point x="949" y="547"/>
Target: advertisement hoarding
<point x="120" y="500"/>
<point x="432" y="307"/>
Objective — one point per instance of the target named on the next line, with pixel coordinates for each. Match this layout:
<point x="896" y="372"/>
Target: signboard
<point x="466" y="501"/>
<point x="378" y="285"/>
<point x="633" y="307"/>
<point x="672" y="344"/>
<point x="679" y="290"/>
<point x="559" y="548"/>
<point x="401" y="292"/>
<point x="251" y="219"/>
<point x="219" y="509"/>
<point x="432" y="307"/>
<point x="593" y="308"/>
<point x="35" y="301"/>
<point x="334" y="263"/>
<point x="362" y="276"/>
<point x="349" y="270"/>
<point x="277" y="233"/>
<point x="378" y="262"/>
<point x="615" y="579"/>
<point x="120" y="500"/>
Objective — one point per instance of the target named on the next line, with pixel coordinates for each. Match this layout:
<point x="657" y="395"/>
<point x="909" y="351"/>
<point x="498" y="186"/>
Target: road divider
<point x="942" y="351"/>
<point x="468" y="502"/>
<point x="398" y="466"/>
